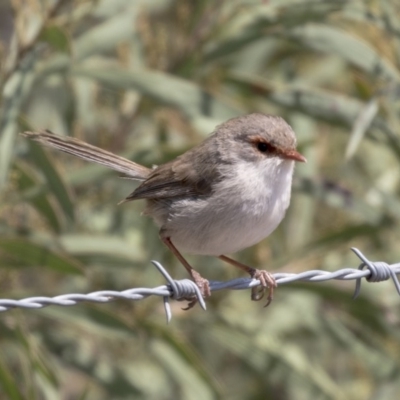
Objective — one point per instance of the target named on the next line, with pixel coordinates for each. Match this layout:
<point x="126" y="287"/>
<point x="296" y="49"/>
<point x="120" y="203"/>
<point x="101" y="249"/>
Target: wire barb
<point x="185" y="289"/>
<point x="180" y="290"/>
<point x="379" y="271"/>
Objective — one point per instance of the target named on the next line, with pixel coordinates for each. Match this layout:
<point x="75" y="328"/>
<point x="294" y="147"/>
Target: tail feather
<point x="90" y="153"/>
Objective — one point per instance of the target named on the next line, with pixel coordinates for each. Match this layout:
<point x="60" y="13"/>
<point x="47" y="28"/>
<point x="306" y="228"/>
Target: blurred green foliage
<point x="148" y="79"/>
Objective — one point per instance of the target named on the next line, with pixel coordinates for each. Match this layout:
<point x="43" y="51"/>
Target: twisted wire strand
<point x="185" y="288"/>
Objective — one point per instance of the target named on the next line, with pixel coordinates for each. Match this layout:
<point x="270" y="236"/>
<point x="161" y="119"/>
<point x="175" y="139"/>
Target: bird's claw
<point x="267" y="281"/>
<point x="204" y="286"/>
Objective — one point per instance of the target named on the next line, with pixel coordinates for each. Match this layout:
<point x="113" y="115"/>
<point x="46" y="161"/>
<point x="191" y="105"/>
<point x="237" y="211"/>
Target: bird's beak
<point x="294" y="155"/>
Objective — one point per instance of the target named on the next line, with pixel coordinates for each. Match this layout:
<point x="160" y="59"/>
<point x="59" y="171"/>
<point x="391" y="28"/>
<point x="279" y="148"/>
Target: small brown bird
<point x="226" y="194"/>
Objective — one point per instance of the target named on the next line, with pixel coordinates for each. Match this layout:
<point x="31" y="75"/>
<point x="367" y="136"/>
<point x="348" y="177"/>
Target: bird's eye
<point x="264" y="147"/>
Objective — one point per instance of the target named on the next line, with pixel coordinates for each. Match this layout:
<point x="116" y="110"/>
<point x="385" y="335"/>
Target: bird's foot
<point x="267" y="281"/>
<point x="202" y="284"/>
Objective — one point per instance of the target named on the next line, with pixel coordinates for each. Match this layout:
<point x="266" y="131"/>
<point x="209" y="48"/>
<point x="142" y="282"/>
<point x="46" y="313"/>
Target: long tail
<point x="90" y="153"/>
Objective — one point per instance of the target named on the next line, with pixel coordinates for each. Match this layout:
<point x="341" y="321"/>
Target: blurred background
<point x="148" y="80"/>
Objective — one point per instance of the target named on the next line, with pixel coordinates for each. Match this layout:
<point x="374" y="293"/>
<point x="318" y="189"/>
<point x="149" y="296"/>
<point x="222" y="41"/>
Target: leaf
<point x="361" y="125"/>
<point x="364" y="309"/>
<point x="241" y="345"/>
<point x="203" y="108"/>
<point x="8" y="383"/>
<point x="318" y="103"/>
<point x="56" y="37"/>
<point x="345" y="235"/>
<point x="29" y="254"/>
<point x="320" y="246"/>
<point x="267" y="348"/>
<point x="190" y="384"/>
<point x="105" y="36"/>
<point x="95" y="319"/>
<point x="102" y="245"/>
<point x="32" y="192"/>
<point x="89" y="175"/>
<point x="344" y="199"/>
<point x="14" y="92"/>
<point x="295" y="358"/>
<point x="358" y="52"/>
<point x="39" y="362"/>
<point x="182" y="349"/>
<point x="56" y="185"/>
<point x="264" y="21"/>
<point x="376" y="358"/>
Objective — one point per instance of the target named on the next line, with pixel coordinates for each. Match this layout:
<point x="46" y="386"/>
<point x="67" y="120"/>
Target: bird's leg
<point x="266" y="279"/>
<point x="201" y="282"/>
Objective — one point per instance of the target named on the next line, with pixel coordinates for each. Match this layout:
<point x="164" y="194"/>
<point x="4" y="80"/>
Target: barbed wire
<point x="373" y="271"/>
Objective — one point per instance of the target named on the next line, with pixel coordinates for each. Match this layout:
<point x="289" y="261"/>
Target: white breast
<point x="242" y="211"/>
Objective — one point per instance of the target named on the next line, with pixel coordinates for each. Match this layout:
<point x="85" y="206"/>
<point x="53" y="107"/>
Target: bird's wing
<point x="174" y="180"/>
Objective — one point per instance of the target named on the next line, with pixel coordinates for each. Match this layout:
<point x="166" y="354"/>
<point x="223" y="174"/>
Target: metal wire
<point x="185" y="288"/>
